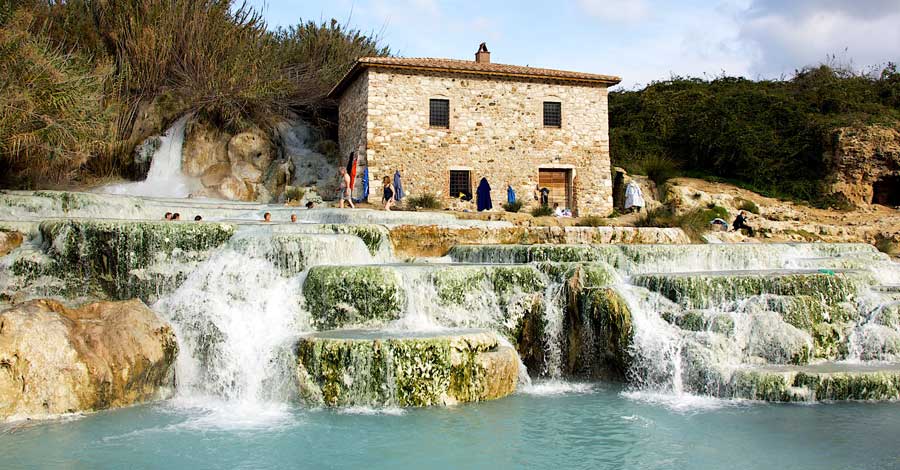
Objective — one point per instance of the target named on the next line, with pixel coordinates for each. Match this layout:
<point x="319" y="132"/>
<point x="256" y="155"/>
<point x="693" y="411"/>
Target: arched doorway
<point x="886" y="191"/>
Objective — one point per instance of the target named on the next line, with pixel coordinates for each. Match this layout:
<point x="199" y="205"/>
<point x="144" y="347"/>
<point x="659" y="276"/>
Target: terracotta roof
<point x="468" y="66"/>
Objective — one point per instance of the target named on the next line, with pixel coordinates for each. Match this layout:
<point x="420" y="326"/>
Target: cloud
<point x="795" y="34"/>
<point x="619" y="11"/>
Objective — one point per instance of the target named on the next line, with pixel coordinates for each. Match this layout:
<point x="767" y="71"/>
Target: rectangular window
<point x="460" y="184"/>
<point x="552" y="114"/>
<point x="439" y="113"/>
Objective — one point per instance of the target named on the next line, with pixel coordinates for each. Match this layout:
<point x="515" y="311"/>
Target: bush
<point x="541" y="211"/>
<point x="317" y="55"/>
<point x="749" y="206"/>
<point x="591" y="221"/>
<point x="514" y="206"/>
<point x="888" y="246"/>
<point x="659" y="169"/>
<point x="293" y="193"/>
<point x="713" y="211"/>
<point x="424" y="201"/>
<point x="694" y="223"/>
<point x="52" y="113"/>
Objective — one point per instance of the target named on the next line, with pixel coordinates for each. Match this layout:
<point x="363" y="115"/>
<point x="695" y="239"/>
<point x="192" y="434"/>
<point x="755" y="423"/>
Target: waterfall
<point x="239" y="313"/>
<point x="165" y="178"/>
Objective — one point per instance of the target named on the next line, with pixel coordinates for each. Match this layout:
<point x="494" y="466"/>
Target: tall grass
<point x="52" y="112"/>
<point x="317" y="55"/>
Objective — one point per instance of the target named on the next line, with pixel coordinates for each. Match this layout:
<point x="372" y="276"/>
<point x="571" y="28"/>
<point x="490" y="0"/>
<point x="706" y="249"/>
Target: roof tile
<point x="468" y="66"/>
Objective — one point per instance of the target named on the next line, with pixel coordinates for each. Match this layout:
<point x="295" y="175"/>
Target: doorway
<point x="559" y="182"/>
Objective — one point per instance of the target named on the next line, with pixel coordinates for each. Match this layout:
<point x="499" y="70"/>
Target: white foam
<point x="683" y="402"/>
<point x="372" y="411"/>
<point x="165" y="178"/>
<point x="556" y="387"/>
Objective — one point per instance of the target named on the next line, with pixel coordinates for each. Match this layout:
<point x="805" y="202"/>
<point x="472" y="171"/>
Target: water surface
<point x="552" y="426"/>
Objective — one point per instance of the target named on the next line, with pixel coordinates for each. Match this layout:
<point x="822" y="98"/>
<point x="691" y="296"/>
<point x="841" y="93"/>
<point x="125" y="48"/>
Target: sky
<point x="638" y="40"/>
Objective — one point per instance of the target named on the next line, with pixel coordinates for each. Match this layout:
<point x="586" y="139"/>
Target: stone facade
<point x="496" y="131"/>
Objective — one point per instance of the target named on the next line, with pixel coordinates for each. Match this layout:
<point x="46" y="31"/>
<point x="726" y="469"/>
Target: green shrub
<point x="591" y="221"/>
<point x="694" y="223"/>
<point x="749" y="206"/>
<point x="713" y="211"/>
<point x="888" y="246"/>
<point x="659" y="169"/>
<point x="514" y="206"/>
<point x="424" y="201"/>
<point x="541" y="211"/>
<point x="293" y="193"/>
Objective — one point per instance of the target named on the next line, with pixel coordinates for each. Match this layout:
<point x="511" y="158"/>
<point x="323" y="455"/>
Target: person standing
<point x="345" y="190"/>
<point x="387" y="197"/>
<point x="634" y="197"/>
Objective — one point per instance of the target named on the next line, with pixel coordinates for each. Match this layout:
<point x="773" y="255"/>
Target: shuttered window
<point x="552" y="114"/>
<point x="439" y="113"/>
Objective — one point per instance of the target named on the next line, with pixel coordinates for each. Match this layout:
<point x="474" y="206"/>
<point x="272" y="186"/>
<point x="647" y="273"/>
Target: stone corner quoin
<point x="496" y="130"/>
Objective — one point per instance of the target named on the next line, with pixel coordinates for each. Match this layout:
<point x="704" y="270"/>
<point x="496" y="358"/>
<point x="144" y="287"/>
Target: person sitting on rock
<point x="740" y="223"/>
<point x="267" y="217"/>
<point x="293" y="218"/>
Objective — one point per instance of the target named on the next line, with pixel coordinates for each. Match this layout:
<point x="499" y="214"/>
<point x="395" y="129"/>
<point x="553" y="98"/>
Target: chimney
<point x="483" y="56"/>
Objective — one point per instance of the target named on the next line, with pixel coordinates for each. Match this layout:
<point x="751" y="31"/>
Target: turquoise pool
<point x="551" y="426"/>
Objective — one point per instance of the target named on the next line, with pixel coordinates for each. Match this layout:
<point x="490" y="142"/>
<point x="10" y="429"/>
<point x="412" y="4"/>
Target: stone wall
<point x="352" y="119"/>
<point x="496" y="131"/>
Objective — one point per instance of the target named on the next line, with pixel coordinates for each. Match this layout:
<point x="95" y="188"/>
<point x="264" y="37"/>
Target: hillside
<point x="772" y="136"/>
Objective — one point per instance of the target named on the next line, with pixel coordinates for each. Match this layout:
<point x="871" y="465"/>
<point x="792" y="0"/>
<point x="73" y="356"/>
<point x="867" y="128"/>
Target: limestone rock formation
<point x="245" y="166"/>
<point x="866" y="165"/>
<point x="376" y="368"/>
<point x="103" y="355"/>
<point x="9" y="241"/>
<point x="205" y="147"/>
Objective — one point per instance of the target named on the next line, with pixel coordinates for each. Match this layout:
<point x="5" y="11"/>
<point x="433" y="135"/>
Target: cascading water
<point x="238" y="315"/>
<point x="165" y="178"/>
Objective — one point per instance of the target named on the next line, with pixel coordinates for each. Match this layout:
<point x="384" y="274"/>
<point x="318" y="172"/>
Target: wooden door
<point x="557" y="181"/>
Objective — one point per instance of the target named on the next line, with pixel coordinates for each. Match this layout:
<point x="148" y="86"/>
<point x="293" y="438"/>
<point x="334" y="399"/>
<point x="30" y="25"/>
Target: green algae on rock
<point x="108" y="251"/>
<point x="705" y="290"/>
<point x="338" y="296"/>
<point x="377" y="368"/>
<point x="816" y="383"/>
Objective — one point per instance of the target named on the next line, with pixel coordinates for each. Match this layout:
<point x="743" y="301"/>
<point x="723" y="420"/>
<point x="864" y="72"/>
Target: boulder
<point x="9" y="241"/>
<point x="103" y="355"/>
<point x="215" y="175"/>
<point x="246" y="172"/>
<point x="252" y="146"/>
<point x="205" y="146"/>
<point x="234" y="189"/>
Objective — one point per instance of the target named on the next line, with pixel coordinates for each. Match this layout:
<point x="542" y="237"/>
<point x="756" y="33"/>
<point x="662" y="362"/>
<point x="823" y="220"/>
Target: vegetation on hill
<point x="769" y="136"/>
<point x="73" y="74"/>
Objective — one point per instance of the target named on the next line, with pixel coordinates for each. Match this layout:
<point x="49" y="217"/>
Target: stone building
<point x="445" y="124"/>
